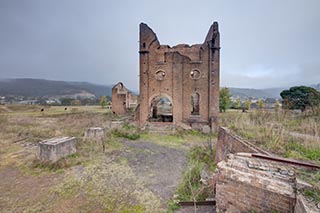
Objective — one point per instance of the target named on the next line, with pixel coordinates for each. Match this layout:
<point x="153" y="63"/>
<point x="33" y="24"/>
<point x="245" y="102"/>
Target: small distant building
<point x="53" y="101"/>
<point x="28" y="102"/>
<point x="122" y="99"/>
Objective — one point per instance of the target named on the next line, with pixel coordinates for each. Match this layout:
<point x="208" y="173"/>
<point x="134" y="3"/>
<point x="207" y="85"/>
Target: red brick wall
<point x="242" y="187"/>
<point x="119" y="100"/>
<point x="235" y="196"/>
<point x="230" y="143"/>
<point x="178" y="62"/>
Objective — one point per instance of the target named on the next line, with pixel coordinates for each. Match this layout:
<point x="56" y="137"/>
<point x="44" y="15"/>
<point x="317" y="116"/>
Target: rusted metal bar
<point x="285" y="160"/>
<point x="198" y="203"/>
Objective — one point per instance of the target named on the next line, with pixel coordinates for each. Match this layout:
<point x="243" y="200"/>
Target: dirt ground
<point x="130" y="176"/>
<point x="159" y="167"/>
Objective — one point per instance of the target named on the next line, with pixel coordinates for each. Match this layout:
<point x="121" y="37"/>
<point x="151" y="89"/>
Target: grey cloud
<point x="97" y="41"/>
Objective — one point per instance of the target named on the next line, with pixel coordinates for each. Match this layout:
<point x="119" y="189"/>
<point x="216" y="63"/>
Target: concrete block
<point x="53" y="149"/>
<point x="95" y="133"/>
<point x="205" y="129"/>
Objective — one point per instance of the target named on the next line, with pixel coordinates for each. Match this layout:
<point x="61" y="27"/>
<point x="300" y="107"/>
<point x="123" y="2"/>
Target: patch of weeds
<point x="123" y="161"/>
<point x="191" y="188"/>
<point x="204" y="155"/>
<point x="313" y="178"/>
<point x="67" y="189"/>
<point x="112" y="186"/>
<point x="127" y="131"/>
<point x="58" y="166"/>
<point x="173" y="205"/>
<point x="195" y="133"/>
<point x="312" y="194"/>
<point x="295" y="149"/>
<point x="248" y="135"/>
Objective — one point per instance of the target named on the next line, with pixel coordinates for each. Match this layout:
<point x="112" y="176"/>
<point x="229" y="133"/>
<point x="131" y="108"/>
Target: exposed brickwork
<point x="122" y="99"/>
<point x="187" y="75"/>
<point x="246" y="184"/>
<point x="231" y="143"/>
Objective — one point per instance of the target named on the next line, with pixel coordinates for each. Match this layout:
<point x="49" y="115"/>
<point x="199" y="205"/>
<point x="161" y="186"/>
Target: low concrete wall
<point x="231" y="143"/>
<point x="56" y="148"/>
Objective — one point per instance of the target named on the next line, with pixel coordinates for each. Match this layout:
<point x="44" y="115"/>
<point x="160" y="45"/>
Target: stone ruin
<point x="180" y="84"/>
<point x="53" y="149"/>
<point x="246" y="184"/>
<point x="249" y="179"/>
<point x="122" y="99"/>
<point x="95" y="133"/>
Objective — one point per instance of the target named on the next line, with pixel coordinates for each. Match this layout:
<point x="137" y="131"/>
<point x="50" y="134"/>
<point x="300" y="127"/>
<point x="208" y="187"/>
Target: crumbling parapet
<point x="122" y="99"/>
<point x="246" y="184"/>
<point x="53" y="149"/>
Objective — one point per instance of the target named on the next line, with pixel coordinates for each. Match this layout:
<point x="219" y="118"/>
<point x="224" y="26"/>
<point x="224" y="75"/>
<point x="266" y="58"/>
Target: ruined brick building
<point x="179" y="84"/>
<point x="122" y="99"/>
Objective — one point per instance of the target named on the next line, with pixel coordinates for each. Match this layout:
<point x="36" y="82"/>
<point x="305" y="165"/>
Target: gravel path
<point x="159" y="167"/>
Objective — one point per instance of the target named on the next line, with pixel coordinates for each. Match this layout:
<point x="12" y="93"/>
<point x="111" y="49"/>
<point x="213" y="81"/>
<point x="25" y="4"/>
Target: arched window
<point x="195" y="99"/>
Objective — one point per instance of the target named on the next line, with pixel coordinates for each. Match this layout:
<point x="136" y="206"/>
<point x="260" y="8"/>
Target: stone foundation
<point x="53" y="149"/>
<point x="95" y="133"/>
<point x="246" y="184"/>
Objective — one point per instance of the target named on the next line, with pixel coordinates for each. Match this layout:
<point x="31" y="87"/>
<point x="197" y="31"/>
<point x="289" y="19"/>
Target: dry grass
<point x="287" y="134"/>
<point x="89" y="181"/>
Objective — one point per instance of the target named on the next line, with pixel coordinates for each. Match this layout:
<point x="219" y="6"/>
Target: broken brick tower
<point x="179" y="84"/>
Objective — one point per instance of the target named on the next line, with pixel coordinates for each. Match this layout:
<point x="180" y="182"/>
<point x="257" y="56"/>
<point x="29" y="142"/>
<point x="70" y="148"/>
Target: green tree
<point x="247" y="104"/>
<point x="260" y="104"/>
<point x="103" y="101"/>
<point x="237" y="104"/>
<point x="300" y="97"/>
<point x="225" y="99"/>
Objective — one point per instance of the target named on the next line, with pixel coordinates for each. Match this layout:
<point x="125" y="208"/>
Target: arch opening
<point x="161" y="110"/>
<point x="195" y="99"/>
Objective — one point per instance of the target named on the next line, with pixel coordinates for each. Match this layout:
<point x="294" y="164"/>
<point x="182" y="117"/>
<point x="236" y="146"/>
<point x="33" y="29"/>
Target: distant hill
<point x="46" y="88"/>
<point x="244" y="93"/>
<point x="28" y="87"/>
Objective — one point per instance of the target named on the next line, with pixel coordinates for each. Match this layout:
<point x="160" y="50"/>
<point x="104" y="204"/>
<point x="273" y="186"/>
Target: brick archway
<point x="160" y="108"/>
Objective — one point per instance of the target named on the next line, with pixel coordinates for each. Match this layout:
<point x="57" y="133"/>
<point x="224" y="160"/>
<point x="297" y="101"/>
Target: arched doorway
<point x="161" y="109"/>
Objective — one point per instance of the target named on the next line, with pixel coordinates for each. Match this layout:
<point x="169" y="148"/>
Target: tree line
<point x="296" y="98"/>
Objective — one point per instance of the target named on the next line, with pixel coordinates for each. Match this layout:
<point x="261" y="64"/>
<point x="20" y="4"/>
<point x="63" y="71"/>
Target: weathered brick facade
<point x="188" y="76"/>
<point x="247" y="184"/>
<point x="122" y="99"/>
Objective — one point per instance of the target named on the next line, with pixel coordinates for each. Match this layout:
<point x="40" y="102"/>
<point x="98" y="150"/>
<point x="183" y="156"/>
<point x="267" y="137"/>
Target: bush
<point x="191" y="188"/>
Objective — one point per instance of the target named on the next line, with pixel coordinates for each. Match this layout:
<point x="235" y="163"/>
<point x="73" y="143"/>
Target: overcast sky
<point x="264" y="43"/>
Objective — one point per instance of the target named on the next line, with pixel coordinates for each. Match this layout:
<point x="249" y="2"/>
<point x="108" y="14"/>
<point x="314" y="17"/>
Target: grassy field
<point x="95" y="179"/>
<point x="98" y="179"/>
